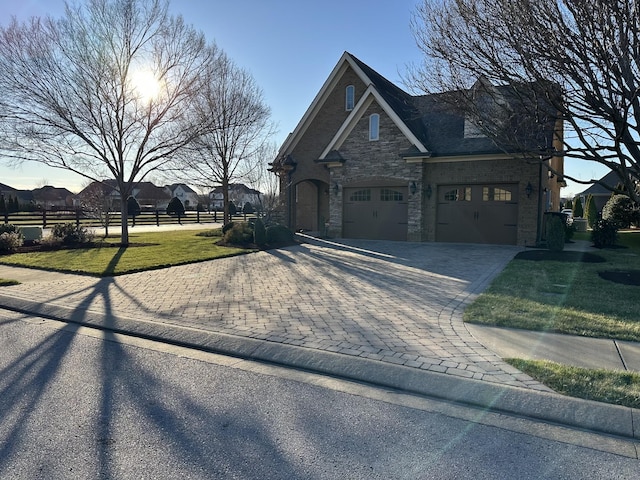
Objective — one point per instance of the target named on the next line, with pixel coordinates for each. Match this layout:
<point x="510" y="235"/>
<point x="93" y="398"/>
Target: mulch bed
<point x="625" y="277"/>
<point x="562" y="256"/>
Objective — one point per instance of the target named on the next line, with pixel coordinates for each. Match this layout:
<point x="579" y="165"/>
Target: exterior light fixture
<point x="413" y="188"/>
<point x="428" y="191"/>
<point x="336" y="189"/>
<point x="529" y="189"/>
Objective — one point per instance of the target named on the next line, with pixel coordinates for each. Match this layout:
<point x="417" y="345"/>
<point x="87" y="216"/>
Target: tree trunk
<point x="124" y="236"/>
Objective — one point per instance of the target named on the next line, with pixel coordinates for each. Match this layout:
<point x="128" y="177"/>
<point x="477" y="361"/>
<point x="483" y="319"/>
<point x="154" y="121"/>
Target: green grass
<point x="5" y="282"/>
<point x="156" y="250"/>
<point x="616" y="387"/>
<point x="565" y="297"/>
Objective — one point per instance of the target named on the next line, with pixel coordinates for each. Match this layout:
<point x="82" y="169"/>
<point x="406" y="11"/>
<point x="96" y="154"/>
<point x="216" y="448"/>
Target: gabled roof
<point x="597" y="189"/>
<point x="429" y="122"/>
<point x="6" y="188"/>
<point x="184" y="186"/>
<point x="387" y="93"/>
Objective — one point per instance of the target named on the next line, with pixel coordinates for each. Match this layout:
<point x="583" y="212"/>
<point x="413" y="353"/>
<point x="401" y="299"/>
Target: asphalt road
<point x="79" y="403"/>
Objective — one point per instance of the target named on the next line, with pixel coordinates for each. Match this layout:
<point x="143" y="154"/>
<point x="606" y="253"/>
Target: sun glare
<point x="145" y="85"/>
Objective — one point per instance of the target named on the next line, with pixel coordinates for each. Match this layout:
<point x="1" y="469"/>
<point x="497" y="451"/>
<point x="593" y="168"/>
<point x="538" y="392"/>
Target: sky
<point x="290" y="48"/>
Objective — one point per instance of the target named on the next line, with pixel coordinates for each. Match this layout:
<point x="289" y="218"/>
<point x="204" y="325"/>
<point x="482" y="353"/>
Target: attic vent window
<point x="472" y="130"/>
<point x="350" y="98"/>
<point x="374" y="127"/>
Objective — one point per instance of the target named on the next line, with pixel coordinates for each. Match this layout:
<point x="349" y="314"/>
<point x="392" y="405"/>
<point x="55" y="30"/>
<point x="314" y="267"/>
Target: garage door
<point x="477" y="214"/>
<point x="378" y="213"/>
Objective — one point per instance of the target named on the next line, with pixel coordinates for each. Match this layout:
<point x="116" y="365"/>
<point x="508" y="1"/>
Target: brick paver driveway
<point x="389" y="301"/>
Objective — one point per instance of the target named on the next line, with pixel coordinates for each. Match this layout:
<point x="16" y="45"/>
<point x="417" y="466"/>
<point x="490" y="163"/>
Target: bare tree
<point x="97" y="200"/>
<point x="232" y="105"/>
<point x="107" y="91"/>
<point x="577" y="59"/>
<point x="258" y="176"/>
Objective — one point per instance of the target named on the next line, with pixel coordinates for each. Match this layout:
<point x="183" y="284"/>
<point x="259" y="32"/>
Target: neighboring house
<point x="239" y="194"/>
<point x="368" y="160"/>
<point x="49" y="197"/>
<point x="599" y="192"/>
<point x="148" y="195"/>
<point x="186" y="194"/>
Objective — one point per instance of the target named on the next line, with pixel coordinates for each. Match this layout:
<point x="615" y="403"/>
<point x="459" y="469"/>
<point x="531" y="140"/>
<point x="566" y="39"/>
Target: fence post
<point x="157" y="218"/>
<point x="6" y="216"/>
<point x="77" y="217"/>
<point x="215" y="216"/>
<point x="197" y="215"/>
<point x="44" y="218"/>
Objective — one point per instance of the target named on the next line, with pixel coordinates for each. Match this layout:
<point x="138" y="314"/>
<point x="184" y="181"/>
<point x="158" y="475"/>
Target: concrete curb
<point x="550" y="407"/>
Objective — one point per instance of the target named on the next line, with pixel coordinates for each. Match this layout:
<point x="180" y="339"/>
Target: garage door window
<point x="387" y="195"/>
<point x="458" y="195"/>
<point x="361" y="196"/>
<point x="494" y="194"/>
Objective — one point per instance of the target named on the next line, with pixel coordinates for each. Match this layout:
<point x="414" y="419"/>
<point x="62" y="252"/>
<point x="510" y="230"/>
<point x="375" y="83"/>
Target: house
<point x="368" y="160"/>
<point x="599" y="192"/>
<point x="239" y="194"/>
<point x="186" y="194"/>
<point x="49" y="197"/>
<point x="148" y="195"/>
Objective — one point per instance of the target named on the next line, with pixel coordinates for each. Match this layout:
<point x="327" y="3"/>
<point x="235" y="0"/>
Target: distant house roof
<point x="184" y="186"/>
<point x="6" y="188"/>
<point x="51" y="194"/>
<point x="238" y="188"/>
<point x="598" y="189"/>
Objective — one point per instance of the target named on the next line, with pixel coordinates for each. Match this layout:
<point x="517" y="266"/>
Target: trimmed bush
<point x="555" y="233"/>
<point x="279" y="235"/>
<point x="604" y="234"/>
<point x="232" y="208"/>
<point x="239" y="234"/>
<point x="8" y="228"/>
<point x="10" y="241"/>
<point x="569" y="230"/>
<point x="259" y="233"/>
<point x="578" y="212"/>
<point x="175" y="207"/>
<point x="133" y="207"/>
<point x="620" y="210"/>
<point x="70" y="234"/>
<point x="591" y="211"/>
<point x="247" y="208"/>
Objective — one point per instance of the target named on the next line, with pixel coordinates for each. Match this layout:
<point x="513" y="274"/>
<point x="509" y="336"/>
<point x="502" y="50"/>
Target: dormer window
<point x="374" y="127"/>
<point x="350" y="97"/>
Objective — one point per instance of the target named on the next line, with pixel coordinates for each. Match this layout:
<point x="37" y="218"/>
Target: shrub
<point x="259" y="233"/>
<point x="604" y="233"/>
<point x="175" y="207"/>
<point x="279" y="235"/>
<point x="226" y="227"/>
<point x="10" y="241"/>
<point x="69" y="234"/>
<point x="133" y="207"/>
<point x="555" y="232"/>
<point x="8" y="228"/>
<point x="578" y="212"/>
<point x="591" y="211"/>
<point x="232" y="208"/>
<point x="239" y="234"/>
<point x="247" y="208"/>
<point x="620" y="210"/>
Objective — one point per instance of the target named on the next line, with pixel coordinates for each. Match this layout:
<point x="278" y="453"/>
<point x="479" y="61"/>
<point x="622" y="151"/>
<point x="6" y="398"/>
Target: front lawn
<point x="607" y="386"/>
<point x="566" y="294"/>
<point x="147" y="250"/>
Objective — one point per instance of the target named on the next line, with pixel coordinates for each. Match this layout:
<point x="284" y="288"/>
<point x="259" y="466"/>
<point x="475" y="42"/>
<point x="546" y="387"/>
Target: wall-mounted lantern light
<point x="336" y="189"/>
<point x="529" y="189"/>
<point x="428" y="191"/>
<point x="413" y="188"/>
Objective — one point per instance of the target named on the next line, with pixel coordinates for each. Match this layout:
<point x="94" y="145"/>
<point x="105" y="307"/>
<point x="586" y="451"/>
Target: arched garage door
<point x="477" y="214"/>
<point x="378" y="213"/>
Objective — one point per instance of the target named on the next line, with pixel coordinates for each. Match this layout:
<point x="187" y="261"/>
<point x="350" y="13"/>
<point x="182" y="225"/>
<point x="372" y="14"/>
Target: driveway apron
<point x="393" y="302"/>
